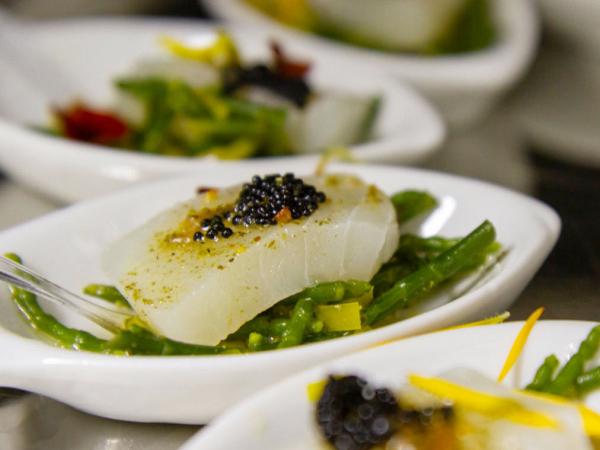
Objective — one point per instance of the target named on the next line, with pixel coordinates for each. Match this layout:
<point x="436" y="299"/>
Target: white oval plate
<point x="407" y="129"/>
<point x="282" y="417"/>
<point x="66" y="247"/>
<point x="463" y="87"/>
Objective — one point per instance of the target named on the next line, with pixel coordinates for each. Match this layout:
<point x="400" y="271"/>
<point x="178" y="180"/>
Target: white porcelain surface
<point x="282" y="417"/>
<point x="463" y="87"/>
<point x="66" y="247"/>
<point x="91" y="52"/>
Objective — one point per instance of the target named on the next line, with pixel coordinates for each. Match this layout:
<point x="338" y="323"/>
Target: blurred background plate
<point x="406" y="129"/>
<point x="463" y="86"/>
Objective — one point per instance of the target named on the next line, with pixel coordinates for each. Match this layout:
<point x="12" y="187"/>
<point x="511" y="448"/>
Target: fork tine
<point x="108" y="318"/>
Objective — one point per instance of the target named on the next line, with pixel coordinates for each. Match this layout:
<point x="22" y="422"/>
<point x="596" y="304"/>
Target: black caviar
<point x="353" y="415"/>
<point x="264" y="201"/>
<point x="295" y="89"/>
<point x="213" y="228"/>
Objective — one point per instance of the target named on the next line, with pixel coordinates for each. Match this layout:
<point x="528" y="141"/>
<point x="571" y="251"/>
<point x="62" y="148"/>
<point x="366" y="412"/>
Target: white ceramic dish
<point x="282" y="417"/>
<point x="463" y="87"/>
<point x="576" y="21"/>
<point x="66" y="247"/>
<point x="407" y="129"/>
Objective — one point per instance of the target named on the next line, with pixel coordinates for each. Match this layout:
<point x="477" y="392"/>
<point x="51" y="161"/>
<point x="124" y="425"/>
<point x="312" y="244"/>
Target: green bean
<point x="428" y="276"/>
<point x="590" y="344"/>
<point x="255" y="342"/>
<point x="332" y="292"/>
<point x="564" y="383"/>
<point x="258" y="343"/>
<point x="543" y="376"/>
<point x="106" y="292"/>
<point x="356" y="289"/>
<point x="277" y="326"/>
<point x="418" y="244"/>
<point x="388" y="277"/>
<point x="413" y="252"/>
<point x="316" y="327"/>
<point x="410" y="204"/>
<point x="588" y="381"/>
<point x="260" y="324"/>
<point x="136" y="340"/>
<point x="298" y="324"/>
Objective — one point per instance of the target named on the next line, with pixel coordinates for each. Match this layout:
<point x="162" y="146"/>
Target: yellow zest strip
<point x="483" y="403"/>
<point x="494" y="320"/>
<point x="519" y="343"/>
<point x="221" y="52"/>
<point x="340" y="317"/>
<point x="315" y="390"/>
<point x="590" y="419"/>
<point x="333" y="154"/>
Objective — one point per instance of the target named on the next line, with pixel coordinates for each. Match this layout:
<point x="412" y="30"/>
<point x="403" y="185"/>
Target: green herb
<point x="572" y="379"/>
<point x="424" y="279"/>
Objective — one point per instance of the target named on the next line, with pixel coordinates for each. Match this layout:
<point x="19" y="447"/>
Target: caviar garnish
<point x="353" y="415"/>
<point x="285" y="77"/>
<point x="264" y="201"/>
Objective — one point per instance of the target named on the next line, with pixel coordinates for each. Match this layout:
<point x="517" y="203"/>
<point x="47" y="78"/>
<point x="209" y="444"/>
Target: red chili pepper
<point x="287" y="67"/>
<point x="85" y="124"/>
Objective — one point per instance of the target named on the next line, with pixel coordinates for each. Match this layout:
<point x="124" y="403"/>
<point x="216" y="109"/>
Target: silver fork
<point x="111" y="319"/>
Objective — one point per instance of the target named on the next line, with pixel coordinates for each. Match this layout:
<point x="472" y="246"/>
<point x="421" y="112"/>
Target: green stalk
<point x="298" y="324"/>
<point x="543" y="376"/>
<point x="108" y="293"/>
<point x="410" y="204"/>
<point x="431" y="274"/>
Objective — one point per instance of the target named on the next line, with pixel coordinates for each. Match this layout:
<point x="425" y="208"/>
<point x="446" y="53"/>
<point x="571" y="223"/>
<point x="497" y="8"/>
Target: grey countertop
<point x="498" y="150"/>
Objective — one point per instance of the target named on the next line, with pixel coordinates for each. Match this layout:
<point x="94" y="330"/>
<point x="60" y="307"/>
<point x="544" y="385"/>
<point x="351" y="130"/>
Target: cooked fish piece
<point x="194" y="286"/>
<point x="404" y="24"/>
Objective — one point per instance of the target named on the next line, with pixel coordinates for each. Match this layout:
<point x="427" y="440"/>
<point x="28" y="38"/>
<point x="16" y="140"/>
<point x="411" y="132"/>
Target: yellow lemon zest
<point x="519" y="343"/>
<point x="333" y="154"/>
<point x="315" y="390"/>
<point x="221" y="52"/>
<point x="489" y="321"/>
<point x="483" y="403"/>
<point x="340" y="317"/>
<point x="590" y="419"/>
<point x="494" y="320"/>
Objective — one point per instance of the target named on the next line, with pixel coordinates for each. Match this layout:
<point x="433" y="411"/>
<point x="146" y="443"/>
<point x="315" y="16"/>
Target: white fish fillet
<point x="405" y="24"/>
<point x="202" y="292"/>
